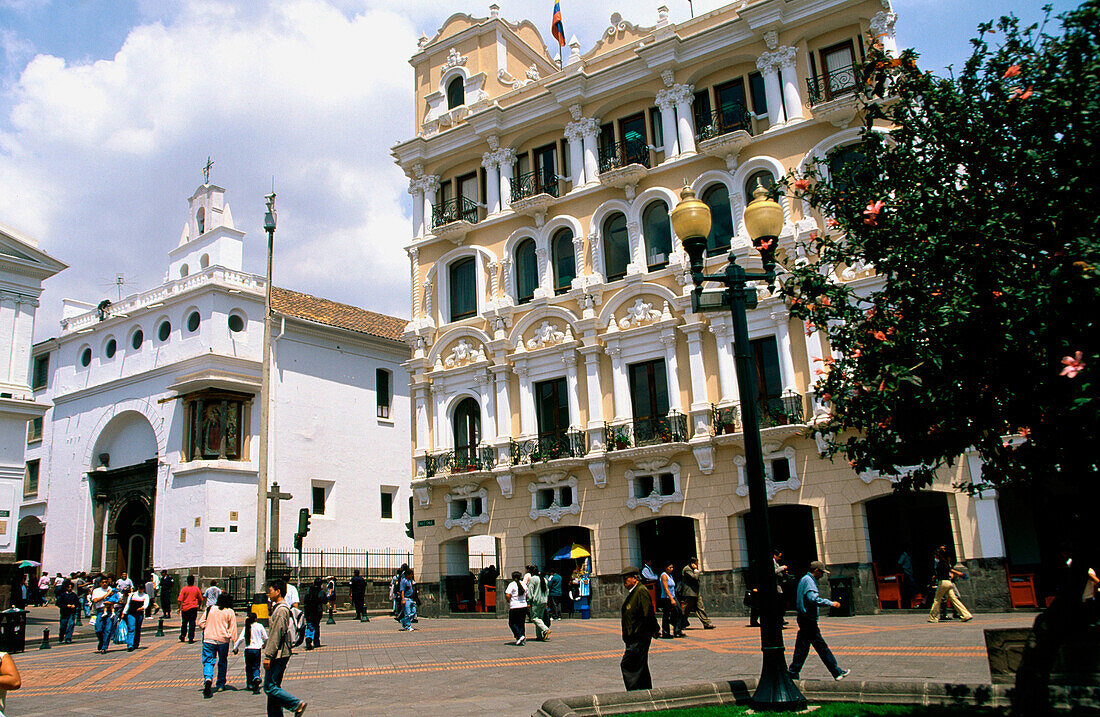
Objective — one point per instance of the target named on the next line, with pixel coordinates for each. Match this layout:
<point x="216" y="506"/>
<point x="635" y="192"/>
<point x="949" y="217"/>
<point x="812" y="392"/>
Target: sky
<point x="110" y="108"/>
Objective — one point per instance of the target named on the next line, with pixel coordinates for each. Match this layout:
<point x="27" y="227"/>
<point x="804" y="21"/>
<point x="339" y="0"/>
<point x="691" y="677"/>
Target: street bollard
<point x="160" y="628"/>
<point x="331" y="620"/>
<point x="45" y="640"/>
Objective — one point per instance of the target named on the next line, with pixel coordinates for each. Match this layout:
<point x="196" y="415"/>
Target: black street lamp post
<point x="764" y="221"/>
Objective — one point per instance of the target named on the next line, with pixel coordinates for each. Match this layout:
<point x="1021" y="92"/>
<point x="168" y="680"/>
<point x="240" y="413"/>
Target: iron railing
<point x="725" y="419"/>
<point x="549" y="447"/>
<point x="453" y="210"/>
<point x="465" y="460"/>
<point x="338" y="564"/>
<point x="620" y="154"/>
<point x="672" y="428"/>
<point x="830" y="85"/>
<point x="731" y="117"/>
<point x="532" y="183"/>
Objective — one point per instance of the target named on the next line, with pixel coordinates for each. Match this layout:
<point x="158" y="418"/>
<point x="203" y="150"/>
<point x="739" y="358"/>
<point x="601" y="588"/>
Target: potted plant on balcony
<point x="619" y="439"/>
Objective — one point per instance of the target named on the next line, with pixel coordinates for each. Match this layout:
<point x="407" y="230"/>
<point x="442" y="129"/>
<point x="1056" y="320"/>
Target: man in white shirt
<point x="124" y="585"/>
<point x="212" y="593"/>
<point x="291" y="597"/>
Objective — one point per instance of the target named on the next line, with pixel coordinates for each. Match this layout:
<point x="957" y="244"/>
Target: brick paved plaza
<point x="468" y="667"/>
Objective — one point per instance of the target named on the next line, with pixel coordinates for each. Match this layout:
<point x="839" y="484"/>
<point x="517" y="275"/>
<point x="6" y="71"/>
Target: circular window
<point x="164" y="331"/>
<point x="137" y="339"/>
<point x="236" y="323"/>
<point x="86" y="357"/>
<point x="110" y="349"/>
<point x="193" y="322"/>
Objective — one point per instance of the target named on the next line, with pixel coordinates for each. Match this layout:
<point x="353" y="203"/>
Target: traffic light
<point x="303" y="522"/>
<point x="297" y="541"/>
<point x="409" y="525"/>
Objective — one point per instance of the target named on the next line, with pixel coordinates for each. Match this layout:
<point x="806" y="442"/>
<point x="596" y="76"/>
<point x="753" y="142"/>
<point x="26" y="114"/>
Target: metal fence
<point x="341" y="564"/>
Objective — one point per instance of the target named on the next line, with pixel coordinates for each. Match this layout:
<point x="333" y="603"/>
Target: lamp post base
<point x="776" y="691"/>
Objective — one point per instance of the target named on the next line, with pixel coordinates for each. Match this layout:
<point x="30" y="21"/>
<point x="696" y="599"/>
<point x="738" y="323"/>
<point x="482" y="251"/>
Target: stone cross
<point x="275" y="496"/>
<point x="206" y="171"/>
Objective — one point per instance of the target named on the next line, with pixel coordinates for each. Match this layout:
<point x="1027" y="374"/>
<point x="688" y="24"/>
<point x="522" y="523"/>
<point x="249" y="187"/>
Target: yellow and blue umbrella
<point x="573" y="551"/>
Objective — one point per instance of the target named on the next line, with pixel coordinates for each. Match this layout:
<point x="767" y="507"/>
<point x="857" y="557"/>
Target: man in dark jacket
<point x="314" y="610"/>
<point x="639" y="625"/>
<point x="693" y="600"/>
<point x="167" y="590"/>
<point x="358" y="594"/>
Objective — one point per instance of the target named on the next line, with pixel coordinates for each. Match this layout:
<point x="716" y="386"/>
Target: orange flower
<point x="998" y="294"/>
<point x="1012" y="71"/>
<point x="880" y="336"/>
<point x="832" y="223"/>
<point x="802" y="184"/>
<point x="1020" y="94"/>
<point x="870" y="214"/>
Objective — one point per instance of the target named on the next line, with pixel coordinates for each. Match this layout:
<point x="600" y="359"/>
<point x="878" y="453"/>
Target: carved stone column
<point x="783" y="339"/>
<point x="526" y="401"/>
<point x="492" y="182"/>
<point x="772" y="91"/>
<point x="684" y="95"/>
<point x="700" y="406"/>
<point x="669" y="130"/>
<point x="506" y="160"/>
<point x="622" y="408"/>
<point x="590" y="129"/>
<point x="882" y="28"/>
<point x="570" y="361"/>
<point x="675" y="402"/>
<point x="99" y="519"/>
<point x="792" y="99"/>
<point x="727" y="376"/>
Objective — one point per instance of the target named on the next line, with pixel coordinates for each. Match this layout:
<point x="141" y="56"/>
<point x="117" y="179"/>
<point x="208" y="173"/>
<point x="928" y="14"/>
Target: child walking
<point x="253" y="636"/>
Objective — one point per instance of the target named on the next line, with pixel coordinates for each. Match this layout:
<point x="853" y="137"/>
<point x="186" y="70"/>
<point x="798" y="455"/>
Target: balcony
<point x="785" y="410"/>
<point x="732" y="117"/>
<point x="463" y="460"/>
<point x="534" y="183"/>
<point x="549" y="447"/>
<point x="453" y="218"/>
<point x="832" y="85"/>
<point x="672" y="428"/>
<point x="624" y="154"/>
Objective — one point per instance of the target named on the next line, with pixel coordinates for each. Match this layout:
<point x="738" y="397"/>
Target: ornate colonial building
<point x="148" y="453"/>
<point x="563" y="390"/>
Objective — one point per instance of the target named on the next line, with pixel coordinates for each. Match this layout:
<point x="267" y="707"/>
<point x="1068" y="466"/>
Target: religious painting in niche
<point x="215" y="421"/>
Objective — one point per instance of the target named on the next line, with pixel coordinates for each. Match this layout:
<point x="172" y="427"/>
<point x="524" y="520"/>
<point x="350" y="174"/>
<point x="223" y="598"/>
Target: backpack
<point x="296" y="626"/>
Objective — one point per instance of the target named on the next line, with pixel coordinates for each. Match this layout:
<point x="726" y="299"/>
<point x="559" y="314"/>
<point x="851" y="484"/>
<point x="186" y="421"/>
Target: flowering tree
<point x="978" y="213"/>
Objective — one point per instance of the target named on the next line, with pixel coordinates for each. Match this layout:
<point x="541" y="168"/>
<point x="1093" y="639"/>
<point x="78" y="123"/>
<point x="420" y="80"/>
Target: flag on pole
<point x="557" y="29"/>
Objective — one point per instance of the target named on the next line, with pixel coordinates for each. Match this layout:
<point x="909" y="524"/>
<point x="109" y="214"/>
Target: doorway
<point x="133" y="539"/>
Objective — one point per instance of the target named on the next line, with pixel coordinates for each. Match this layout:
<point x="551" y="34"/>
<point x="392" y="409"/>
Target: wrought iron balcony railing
<point x="830" y="85"/>
<point x="672" y="428"/>
<point x="453" y="210"/>
<point x="731" y="117"/>
<point x="532" y="183"/>
<point x="462" y="460"/>
<point x="549" y="447"/>
<point x="620" y="154"/>
<point x="725" y="419"/>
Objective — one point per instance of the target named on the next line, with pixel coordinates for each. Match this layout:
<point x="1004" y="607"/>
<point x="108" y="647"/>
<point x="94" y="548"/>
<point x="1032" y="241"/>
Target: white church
<point x="147" y="456"/>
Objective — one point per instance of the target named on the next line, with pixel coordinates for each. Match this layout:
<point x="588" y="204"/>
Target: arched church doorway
<point x="913" y="523"/>
<point x="28" y="541"/>
<point x="133" y="540"/>
<point x="660" y="541"/>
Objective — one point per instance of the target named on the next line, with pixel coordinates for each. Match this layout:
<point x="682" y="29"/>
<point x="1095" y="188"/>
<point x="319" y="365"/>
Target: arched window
<point x="616" y="246"/>
<point x="845" y="166"/>
<point x="763" y="177"/>
<point x="184" y="271"/>
<point x="565" y="263"/>
<point x="527" y="271"/>
<point x="462" y="278"/>
<point x="717" y="197"/>
<point x="200" y="220"/>
<point x="657" y="231"/>
<point x="204" y="261"/>
<point x="467" y="428"/>
<point x="456" y="92"/>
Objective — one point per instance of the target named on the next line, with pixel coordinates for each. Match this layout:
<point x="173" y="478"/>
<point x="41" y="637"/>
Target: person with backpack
<point x="252" y="637"/>
<point x="395" y="581"/>
<point x="537" y="594"/>
<point x="277" y="653"/>
<point x="219" y="627"/>
<point x="406" y="589"/>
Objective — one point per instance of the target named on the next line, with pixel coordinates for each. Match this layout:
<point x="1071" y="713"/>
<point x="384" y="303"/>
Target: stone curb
<point x="740" y="692"/>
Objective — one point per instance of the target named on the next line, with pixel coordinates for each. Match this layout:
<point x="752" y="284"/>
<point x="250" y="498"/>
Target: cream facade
<point x="563" y="390"/>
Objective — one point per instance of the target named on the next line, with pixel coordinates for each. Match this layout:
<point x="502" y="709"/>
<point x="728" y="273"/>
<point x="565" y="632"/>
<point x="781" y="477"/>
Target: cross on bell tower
<point x="206" y="170"/>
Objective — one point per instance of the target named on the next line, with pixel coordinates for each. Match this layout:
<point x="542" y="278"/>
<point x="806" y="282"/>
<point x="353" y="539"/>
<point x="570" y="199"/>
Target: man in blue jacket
<point x="806" y="601"/>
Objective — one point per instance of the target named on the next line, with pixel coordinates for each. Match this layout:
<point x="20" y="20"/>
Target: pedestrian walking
<point x="406" y="589"/>
<point x="219" y="628"/>
<point x="134" y="613"/>
<point x="67" y="604"/>
<point x="252" y="637"/>
<point x="151" y="592"/>
<point x="358" y="593"/>
<point x="670" y="606"/>
<point x="945" y="588"/>
<point x="639" y="625"/>
<point x="9" y="678"/>
<point x="292" y="598"/>
<point x="211" y="594"/>
<point x="314" y="610"/>
<point x="692" y="595"/>
<point x="124" y="585"/>
<point x="167" y="590"/>
<point x="537" y="594"/>
<point x="20" y="592"/>
<point x="806" y="603"/>
<point x="43" y="595"/>
<point x="277" y="653"/>
<point x="395" y="597"/>
<point x="517" y="607"/>
<point x="188" y="600"/>
<point x="553" y="584"/>
<point x="104" y="613"/>
<point x="82" y="587"/>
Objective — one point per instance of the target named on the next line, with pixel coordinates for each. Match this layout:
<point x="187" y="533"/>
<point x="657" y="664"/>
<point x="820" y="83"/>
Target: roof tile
<point x="332" y="313"/>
